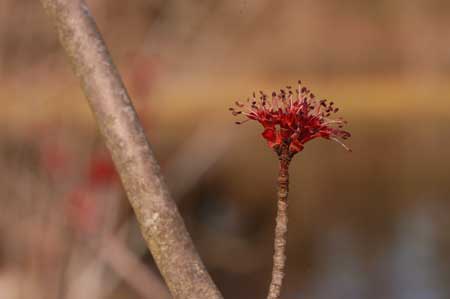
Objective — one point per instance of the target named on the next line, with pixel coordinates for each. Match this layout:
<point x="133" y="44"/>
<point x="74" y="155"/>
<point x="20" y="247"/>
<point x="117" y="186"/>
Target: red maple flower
<point x="290" y="120"/>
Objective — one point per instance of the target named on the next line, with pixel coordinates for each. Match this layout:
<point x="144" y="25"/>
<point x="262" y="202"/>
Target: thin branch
<point x="129" y="267"/>
<point x="158" y="216"/>
<point x="279" y="256"/>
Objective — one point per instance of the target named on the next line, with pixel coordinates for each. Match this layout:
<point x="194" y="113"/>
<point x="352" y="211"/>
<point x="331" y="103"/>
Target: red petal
<point x="269" y="134"/>
<point x="277" y="142"/>
<point x="295" y="146"/>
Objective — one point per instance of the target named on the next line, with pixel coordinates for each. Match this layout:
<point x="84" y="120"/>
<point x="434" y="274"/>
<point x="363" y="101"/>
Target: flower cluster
<point x="292" y="118"/>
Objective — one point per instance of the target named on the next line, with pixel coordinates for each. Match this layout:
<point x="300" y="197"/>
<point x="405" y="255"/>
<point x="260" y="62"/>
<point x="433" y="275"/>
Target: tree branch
<point x="159" y="219"/>
<point x="279" y="256"/>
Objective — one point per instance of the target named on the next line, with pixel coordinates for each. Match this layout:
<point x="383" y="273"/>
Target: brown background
<point x="370" y="224"/>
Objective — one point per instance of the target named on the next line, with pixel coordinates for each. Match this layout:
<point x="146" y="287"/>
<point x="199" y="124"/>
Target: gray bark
<point x="160" y="222"/>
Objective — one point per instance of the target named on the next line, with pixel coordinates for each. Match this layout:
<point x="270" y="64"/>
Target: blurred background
<point x="368" y="224"/>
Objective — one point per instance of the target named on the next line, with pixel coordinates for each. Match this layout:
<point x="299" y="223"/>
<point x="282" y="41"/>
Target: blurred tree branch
<point x="158" y="216"/>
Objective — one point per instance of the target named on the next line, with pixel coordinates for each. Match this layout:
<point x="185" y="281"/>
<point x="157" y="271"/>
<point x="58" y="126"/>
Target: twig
<point x="279" y="256"/>
<point x="158" y="216"/>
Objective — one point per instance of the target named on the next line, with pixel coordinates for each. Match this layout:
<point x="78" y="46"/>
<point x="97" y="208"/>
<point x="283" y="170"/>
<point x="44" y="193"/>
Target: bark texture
<point x="279" y="256"/>
<point x="158" y="216"/>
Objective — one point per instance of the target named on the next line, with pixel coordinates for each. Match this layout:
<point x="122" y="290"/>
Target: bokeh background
<point x="369" y="224"/>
